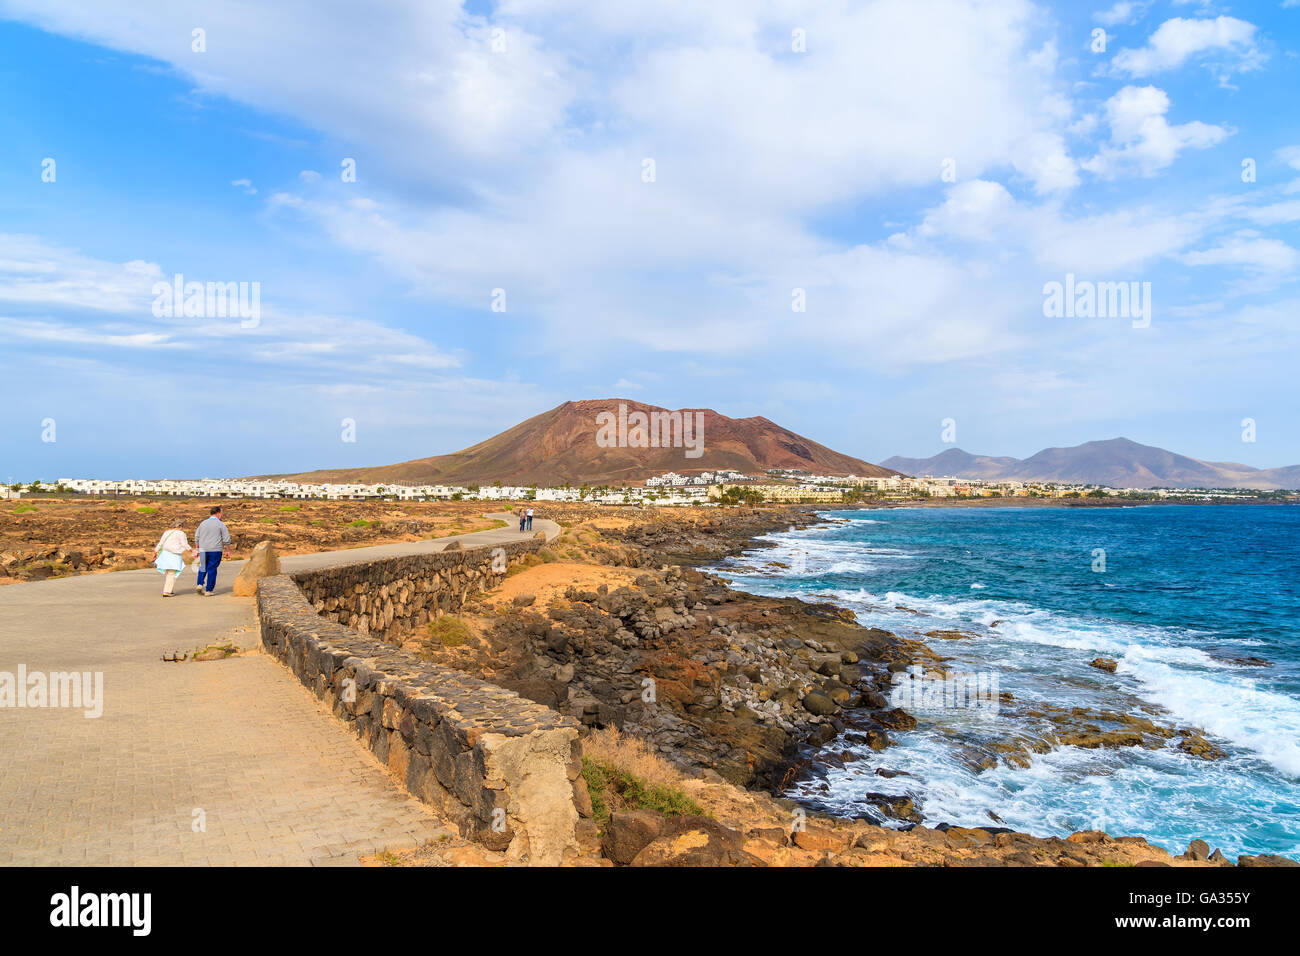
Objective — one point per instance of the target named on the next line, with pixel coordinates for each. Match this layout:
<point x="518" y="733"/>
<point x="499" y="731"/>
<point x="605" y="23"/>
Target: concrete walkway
<point x="226" y="762"/>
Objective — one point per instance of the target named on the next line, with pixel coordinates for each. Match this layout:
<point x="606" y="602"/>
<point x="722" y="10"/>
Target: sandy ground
<point x="546" y="582"/>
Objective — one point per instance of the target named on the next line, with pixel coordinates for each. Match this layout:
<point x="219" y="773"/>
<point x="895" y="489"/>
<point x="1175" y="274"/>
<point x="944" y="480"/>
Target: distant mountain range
<point x="598" y="442"/>
<point x="1117" y="463"/>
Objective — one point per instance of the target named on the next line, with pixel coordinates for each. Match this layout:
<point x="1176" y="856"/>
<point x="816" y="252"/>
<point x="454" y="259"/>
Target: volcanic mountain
<point x="565" y="446"/>
<point x="1117" y="463"/>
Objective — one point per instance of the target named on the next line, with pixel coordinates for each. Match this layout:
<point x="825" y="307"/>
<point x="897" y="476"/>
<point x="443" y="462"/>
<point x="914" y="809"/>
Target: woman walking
<point x="520" y="511"/>
<point x="167" y="556"/>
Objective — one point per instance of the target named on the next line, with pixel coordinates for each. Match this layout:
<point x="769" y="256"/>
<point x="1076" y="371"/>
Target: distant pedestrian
<point x="168" y="556"/>
<point x="530" y="519"/>
<point x="522" y="519"/>
<point x="212" y="541"/>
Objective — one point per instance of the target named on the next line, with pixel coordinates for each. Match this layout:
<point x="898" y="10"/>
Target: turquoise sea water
<point x="1186" y="595"/>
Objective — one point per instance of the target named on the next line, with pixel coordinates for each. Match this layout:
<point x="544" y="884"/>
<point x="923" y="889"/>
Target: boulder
<point x="628" y="832"/>
<point x="892" y="805"/>
<point x="963" y="837"/>
<point x="262" y="563"/>
<point x="696" y="841"/>
<point x="822" y="839"/>
<point x="837" y="692"/>
<point x="875" y="840"/>
<point x="877" y="740"/>
<point x="1198" y="746"/>
<point x="949" y="635"/>
<point x="818" y="703"/>
<point x="773" y="835"/>
<point x="1104" y="664"/>
<point x="1247" y="661"/>
<point x="582" y="798"/>
<point x="1265" y="859"/>
<point x="875" y="699"/>
<point x="896" y="719"/>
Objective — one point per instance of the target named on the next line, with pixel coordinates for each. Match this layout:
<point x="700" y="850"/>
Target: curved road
<point x="220" y="763"/>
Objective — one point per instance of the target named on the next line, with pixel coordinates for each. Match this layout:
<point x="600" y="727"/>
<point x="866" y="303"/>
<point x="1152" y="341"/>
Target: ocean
<point x="1198" y="605"/>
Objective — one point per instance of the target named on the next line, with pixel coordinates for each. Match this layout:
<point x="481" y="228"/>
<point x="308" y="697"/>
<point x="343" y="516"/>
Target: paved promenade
<point x="227" y="762"/>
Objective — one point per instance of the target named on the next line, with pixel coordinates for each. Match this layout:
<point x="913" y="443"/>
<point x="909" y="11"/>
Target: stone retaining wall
<point x="504" y="769"/>
<point x="392" y="597"/>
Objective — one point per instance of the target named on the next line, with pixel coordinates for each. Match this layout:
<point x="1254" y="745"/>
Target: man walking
<point x="212" y="542"/>
<point x="530" y="519"/>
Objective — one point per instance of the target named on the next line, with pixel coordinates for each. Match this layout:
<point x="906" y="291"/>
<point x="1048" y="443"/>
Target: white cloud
<point x="1274" y="214"/>
<point x="111" y="336"/>
<point x="1047" y="163"/>
<point x="421" y="78"/>
<point x="39" y="275"/>
<point x="1290" y="154"/>
<point x="1122" y="12"/>
<point x="61" y="297"/>
<point x="1044" y="238"/>
<point x="1249" y="252"/>
<point x="1142" y="139"/>
<point x="246" y="185"/>
<point x="1177" y="40"/>
<point x="1108" y="243"/>
<point x="754" y="144"/>
<point x="977" y="210"/>
<point x="716" y="95"/>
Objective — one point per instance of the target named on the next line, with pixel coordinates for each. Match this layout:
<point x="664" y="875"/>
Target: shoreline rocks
<point x="753" y="688"/>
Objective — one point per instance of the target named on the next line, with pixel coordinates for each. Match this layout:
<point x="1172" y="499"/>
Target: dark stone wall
<point x="392" y="597"/>
<point x="502" y="768"/>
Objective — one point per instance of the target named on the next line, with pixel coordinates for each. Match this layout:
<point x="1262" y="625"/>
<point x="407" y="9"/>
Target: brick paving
<point x="276" y="778"/>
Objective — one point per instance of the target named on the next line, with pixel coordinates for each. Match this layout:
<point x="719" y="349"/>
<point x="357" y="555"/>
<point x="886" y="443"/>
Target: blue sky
<point x="502" y="146"/>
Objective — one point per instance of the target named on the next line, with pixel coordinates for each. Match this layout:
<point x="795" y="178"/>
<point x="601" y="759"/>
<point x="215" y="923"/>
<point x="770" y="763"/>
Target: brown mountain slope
<point x="561" y="446"/>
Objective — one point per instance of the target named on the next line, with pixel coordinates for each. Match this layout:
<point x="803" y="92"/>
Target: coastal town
<point x="705" y="489"/>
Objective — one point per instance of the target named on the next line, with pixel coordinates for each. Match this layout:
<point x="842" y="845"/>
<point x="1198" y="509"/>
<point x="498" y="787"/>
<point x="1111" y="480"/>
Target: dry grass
<point x="132" y="525"/>
<point x="448" y="631"/>
<point x="631" y="755"/>
<point x="621" y="773"/>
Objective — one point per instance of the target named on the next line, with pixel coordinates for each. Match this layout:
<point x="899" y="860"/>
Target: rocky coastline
<point x="744" y="691"/>
<point x="712" y="677"/>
